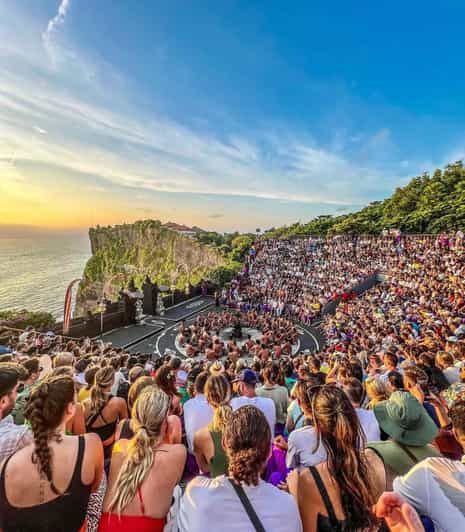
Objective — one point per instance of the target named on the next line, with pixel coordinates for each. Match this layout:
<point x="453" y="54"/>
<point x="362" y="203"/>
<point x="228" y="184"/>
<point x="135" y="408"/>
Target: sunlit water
<point x="35" y="271"/>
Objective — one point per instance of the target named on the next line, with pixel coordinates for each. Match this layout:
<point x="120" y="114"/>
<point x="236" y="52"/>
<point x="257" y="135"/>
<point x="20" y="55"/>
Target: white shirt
<point x="197" y="415"/>
<point x="452" y="374"/>
<point x="436" y="488"/>
<point x="264" y="404"/>
<point x="369" y="424"/>
<point x="212" y="504"/>
<point x="300" y="447"/>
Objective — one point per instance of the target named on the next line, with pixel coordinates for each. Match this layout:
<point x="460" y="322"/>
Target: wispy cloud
<point x="216" y="216"/>
<point x="55" y="22"/>
<point x="84" y="131"/>
<point x="39" y="130"/>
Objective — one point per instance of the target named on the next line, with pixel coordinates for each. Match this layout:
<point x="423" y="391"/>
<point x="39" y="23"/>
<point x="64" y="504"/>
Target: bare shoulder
<point x="118" y="401"/>
<point x="202" y="435"/>
<point x="92" y="440"/>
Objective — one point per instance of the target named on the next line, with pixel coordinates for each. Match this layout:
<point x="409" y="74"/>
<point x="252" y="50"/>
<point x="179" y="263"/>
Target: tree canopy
<point x="427" y="204"/>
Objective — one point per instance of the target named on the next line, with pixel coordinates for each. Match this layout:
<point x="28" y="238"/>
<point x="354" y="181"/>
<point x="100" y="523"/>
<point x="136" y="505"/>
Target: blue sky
<point x="228" y="115"/>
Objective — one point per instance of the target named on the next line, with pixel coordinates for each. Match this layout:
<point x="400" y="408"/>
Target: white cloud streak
<point x="84" y="133"/>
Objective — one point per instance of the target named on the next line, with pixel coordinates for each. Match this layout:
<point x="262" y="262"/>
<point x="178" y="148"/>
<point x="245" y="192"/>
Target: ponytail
<point x="218" y="394"/>
<point x="98" y="397"/>
<point x="148" y="414"/>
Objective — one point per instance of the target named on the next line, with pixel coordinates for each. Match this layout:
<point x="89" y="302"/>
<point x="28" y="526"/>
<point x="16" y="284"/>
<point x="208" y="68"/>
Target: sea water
<point x="35" y="270"/>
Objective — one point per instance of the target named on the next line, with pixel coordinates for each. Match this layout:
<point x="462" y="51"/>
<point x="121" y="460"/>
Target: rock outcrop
<point x="127" y="251"/>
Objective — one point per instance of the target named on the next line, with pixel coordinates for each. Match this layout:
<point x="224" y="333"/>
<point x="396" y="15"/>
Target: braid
<point x="44" y="411"/>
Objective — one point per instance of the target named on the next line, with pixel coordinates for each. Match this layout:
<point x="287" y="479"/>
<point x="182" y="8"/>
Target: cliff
<point x="127" y="251"/>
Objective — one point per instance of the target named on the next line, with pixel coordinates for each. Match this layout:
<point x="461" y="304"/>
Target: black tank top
<point x="66" y="513"/>
<point x="105" y="432"/>
<point x="329" y="523"/>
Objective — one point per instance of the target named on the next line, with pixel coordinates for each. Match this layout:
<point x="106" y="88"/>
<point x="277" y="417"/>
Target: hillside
<point x="128" y="251"/>
<point x="427" y="204"/>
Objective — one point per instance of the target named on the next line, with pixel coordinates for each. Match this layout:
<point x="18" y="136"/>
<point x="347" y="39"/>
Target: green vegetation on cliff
<point x="427" y="204"/>
<point x="132" y="251"/>
<point x="20" y="319"/>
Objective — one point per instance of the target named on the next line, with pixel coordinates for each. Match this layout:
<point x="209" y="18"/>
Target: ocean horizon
<point x="36" y="268"/>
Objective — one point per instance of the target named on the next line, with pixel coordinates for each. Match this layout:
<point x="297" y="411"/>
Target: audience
<point x="380" y="406"/>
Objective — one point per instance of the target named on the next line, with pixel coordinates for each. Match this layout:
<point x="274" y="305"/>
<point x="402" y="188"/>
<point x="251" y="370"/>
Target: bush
<point x="20" y="319"/>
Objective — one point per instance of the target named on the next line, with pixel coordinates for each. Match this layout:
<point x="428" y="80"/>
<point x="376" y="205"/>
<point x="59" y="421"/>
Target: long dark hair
<point x="44" y="411"/>
<point x="339" y="430"/>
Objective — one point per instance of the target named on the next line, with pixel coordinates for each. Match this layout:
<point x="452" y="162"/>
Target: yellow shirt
<point x="84" y="394"/>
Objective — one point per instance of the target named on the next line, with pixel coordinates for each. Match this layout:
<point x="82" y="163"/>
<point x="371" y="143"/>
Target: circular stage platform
<point x="168" y="342"/>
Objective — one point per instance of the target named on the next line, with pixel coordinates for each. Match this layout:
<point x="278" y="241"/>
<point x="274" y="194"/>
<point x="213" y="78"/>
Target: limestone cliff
<point x="127" y="251"/>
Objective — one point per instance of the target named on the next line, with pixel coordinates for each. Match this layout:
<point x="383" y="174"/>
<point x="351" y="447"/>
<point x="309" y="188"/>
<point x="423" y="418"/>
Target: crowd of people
<point x="205" y="336"/>
<point x="296" y="278"/>
<point x="366" y="435"/>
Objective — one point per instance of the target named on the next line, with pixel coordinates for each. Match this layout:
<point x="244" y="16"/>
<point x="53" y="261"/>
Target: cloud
<point x="84" y="131"/>
<point x="380" y="136"/>
<point x="216" y="215"/>
<point x="55" y="22"/>
<point x="39" y="130"/>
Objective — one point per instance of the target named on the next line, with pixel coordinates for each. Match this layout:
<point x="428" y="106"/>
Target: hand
<point x="280" y="442"/>
<point x="293" y="482"/>
<point x="398" y="514"/>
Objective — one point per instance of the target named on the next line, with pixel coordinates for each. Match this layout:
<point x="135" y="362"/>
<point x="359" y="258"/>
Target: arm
<point x="122" y="408"/>
<point x="199" y="444"/>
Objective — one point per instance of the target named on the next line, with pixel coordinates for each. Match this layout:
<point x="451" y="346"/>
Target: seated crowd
<point x="278" y="335"/>
<point x="366" y="435"/>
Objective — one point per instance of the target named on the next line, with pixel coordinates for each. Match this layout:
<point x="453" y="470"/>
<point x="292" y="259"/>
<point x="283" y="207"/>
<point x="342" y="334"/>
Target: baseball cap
<point x="248" y="376"/>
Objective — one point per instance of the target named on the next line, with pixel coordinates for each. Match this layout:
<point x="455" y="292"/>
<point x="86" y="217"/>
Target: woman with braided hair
<point x="144" y="470"/>
<point x="338" y="494"/>
<point x="102" y="411"/>
<point x="46" y="485"/>
<point x="208" y="450"/>
<point x="221" y="503"/>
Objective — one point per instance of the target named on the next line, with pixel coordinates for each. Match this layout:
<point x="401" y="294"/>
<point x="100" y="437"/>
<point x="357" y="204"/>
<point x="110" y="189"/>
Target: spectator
<point x="144" y="470"/>
<point x="247" y="388"/>
<point x="436" y="486"/>
<point x="102" y="411"/>
<point x="277" y="393"/>
<point x="32" y="367"/>
<point x="337" y="494"/>
<point x="12" y="437"/>
<point x="208" y="449"/>
<point x="50" y="494"/>
<point x="410" y="432"/>
<point x="354" y="391"/>
<point x="198" y="413"/>
<point x="215" y="504"/>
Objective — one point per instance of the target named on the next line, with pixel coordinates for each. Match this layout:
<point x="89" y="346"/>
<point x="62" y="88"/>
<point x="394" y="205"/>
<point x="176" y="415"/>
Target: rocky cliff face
<point x="128" y="251"/>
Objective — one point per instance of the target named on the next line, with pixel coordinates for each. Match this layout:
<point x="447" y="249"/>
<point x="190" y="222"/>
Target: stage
<point x="156" y="335"/>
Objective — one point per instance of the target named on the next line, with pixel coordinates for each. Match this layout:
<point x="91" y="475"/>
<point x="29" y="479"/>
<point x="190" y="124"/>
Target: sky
<point x="228" y="115"/>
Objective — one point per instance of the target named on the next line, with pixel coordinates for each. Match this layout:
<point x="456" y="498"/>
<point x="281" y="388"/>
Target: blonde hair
<point x="98" y="397"/>
<point x="63" y="359"/>
<point x="376" y="390"/>
<point x="148" y="414"/>
<point x="218" y="394"/>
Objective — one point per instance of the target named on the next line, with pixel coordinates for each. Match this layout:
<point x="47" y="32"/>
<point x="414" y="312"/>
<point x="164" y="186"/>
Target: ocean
<point x="36" y="270"/>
